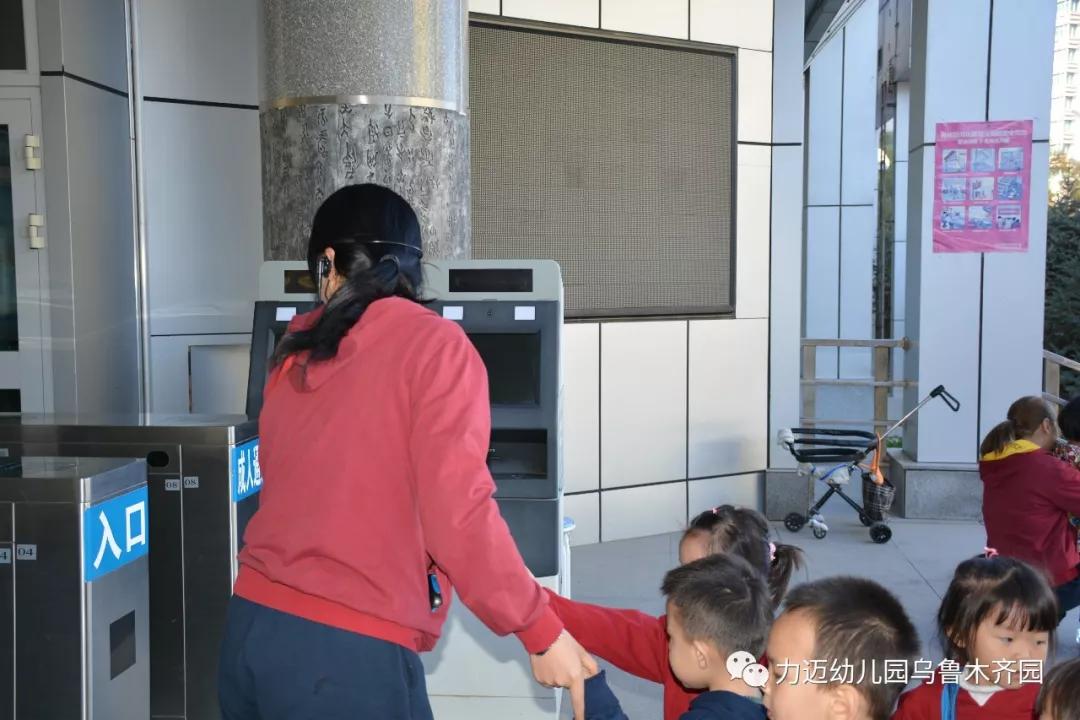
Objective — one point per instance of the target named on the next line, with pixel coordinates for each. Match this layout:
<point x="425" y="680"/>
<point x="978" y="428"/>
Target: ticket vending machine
<point x="512" y="311"/>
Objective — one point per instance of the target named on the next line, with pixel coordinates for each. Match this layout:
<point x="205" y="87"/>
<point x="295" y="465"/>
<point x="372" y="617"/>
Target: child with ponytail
<point x="638" y="643"/>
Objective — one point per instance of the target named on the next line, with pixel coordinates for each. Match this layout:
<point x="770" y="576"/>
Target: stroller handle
<point x="949" y="400"/>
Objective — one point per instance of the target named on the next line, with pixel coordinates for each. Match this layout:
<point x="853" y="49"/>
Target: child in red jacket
<point x="719" y="613"/>
<point x="1028" y="496"/>
<point x="996" y="621"/>
<point x="638" y="643"/>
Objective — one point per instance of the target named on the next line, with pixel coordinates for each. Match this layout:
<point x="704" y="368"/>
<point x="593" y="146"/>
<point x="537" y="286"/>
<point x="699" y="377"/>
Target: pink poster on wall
<point x="982" y="185"/>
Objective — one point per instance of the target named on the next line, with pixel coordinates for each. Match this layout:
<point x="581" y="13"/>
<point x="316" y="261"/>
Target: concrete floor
<point x="917" y="564"/>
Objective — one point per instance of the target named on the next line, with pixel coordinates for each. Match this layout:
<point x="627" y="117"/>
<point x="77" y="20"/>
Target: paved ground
<point x="917" y="565"/>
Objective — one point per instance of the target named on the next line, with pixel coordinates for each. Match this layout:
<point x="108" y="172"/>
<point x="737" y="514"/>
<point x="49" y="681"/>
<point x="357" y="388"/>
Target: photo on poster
<point x="1011" y="159"/>
<point x="1010" y="187"/>
<point x="954" y="189"/>
<point x="952" y="218"/>
<point x="982" y="188"/>
<point x="982" y="160"/>
<point x="1009" y="217"/>
<point x="981" y="217"/>
<point x="954" y="161"/>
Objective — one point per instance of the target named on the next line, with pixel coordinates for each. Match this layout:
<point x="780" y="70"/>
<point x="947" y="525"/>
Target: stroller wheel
<point x="795" y="522"/>
<point x="880" y="533"/>
<point x="865" y="520"/>
<point x="820" y="533"/>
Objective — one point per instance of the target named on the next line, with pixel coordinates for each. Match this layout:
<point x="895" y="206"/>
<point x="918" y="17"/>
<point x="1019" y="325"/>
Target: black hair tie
<point x="387" y="269"/>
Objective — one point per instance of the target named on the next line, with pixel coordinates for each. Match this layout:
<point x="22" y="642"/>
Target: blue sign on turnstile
<point x="115" y="533"/>
<point x="244" y="468"/>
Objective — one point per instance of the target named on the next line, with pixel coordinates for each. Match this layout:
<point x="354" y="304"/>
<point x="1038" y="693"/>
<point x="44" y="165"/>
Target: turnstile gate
<point x="74" y="590"/>
<point x="203" y="481"/>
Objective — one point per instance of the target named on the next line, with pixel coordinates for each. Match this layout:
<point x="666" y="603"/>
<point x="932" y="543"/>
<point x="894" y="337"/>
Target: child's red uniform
<point x="631" y="640"/>
<point x="924" y="703"/>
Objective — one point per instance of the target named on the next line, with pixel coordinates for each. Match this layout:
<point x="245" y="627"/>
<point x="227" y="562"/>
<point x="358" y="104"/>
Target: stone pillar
<point x="365" y="91"/>
<point x="976" y="319"/>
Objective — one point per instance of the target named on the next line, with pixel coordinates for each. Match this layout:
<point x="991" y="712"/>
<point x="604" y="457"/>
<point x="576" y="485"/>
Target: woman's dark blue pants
<point x="276" y="666"/>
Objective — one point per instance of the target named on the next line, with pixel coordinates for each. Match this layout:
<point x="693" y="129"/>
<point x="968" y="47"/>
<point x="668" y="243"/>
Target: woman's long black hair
<point x="377" y="249"/>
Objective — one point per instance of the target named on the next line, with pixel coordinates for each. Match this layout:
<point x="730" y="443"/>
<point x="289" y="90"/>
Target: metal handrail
<point x="882" y="382"/>
<point x="1052" y="365"/>
<point x="901" y="343"/>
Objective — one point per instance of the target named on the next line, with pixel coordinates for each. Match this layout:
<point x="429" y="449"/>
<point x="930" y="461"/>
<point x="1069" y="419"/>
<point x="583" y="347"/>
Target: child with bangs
<point x="996" y="621"/>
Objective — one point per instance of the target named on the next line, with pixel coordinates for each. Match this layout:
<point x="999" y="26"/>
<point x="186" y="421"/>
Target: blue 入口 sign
<point x="244" y="469"/>
<point x="115" y="533"/>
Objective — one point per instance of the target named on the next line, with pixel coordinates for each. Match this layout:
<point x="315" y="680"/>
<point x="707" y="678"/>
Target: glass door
<point x="22" y="341"/>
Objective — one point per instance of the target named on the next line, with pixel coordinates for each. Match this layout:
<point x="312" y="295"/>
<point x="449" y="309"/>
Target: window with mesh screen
<point x="614" y="159"/>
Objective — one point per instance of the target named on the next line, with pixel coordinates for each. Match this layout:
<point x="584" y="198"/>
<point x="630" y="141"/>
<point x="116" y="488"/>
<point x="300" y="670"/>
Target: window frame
<point x="31" y="76"/>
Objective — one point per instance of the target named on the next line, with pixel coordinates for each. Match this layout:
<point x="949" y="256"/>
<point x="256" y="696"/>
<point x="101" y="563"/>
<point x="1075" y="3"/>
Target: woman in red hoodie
<point x="374" y="434"/>
<point x="1028" y="495"/>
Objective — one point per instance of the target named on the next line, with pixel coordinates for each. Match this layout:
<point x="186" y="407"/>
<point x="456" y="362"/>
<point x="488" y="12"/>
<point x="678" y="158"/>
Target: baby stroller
<point x="849" y="448"/>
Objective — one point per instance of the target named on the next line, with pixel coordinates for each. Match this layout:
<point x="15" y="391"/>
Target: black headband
<point x="411" y="248"/>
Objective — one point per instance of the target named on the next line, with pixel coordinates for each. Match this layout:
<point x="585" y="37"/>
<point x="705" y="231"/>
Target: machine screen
<point x="273" y="336"/>
<point x="513" y="365"/>
<point x="269" y="325"/>
<point x="507" y="280"/>
<point x="298" y="282"/>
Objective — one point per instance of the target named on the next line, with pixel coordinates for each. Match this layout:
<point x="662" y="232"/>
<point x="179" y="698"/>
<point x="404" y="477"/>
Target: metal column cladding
<point x="365" y="91"/>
